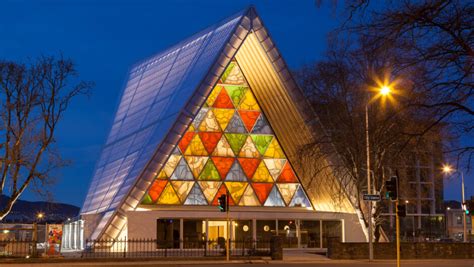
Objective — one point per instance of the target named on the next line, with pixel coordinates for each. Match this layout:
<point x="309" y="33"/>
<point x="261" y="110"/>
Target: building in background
<point x="217" y="113"/>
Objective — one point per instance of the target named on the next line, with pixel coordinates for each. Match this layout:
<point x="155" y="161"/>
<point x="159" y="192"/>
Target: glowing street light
<point x="40" y="215"/>
<point x="448" y="169"/>
<point x="385" y="90"/>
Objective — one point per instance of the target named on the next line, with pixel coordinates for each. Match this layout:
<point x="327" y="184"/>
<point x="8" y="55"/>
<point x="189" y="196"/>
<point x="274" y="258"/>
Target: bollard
<point x="276" y="249"/>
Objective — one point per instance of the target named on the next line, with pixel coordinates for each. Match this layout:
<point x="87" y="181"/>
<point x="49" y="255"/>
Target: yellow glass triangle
<point x="287" y="191"/>
<point x="249" y="198"/>
<point x="196" y="164"/>
<point x="223" y="148"/>
<point x="274" y="150"/>
<point x="212" y="97"/>
<point x="236" y="190"/>
<point x="162" y="175"/>
<point x="168" y="196"/>
<point x="249" y="150"/>
<point x="182" y="188"/>
<point x="209" y="189"/>
<point x="249" y="102"/>
<point x="171" y="164"/>
<point x="209" y="123"/>
<point x="223" y="116"/>
<point x="262" y="175"/>
<point x="196" y="148"/>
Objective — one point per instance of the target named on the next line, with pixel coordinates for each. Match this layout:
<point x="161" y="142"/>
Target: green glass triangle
<point x="147" y="200"/>
<point x="236" y="141"/>
<point x="236" y="92"/>
<point x="210" y="172"/>
<point x="227" y="71"/>
<point x="261" y="142"/>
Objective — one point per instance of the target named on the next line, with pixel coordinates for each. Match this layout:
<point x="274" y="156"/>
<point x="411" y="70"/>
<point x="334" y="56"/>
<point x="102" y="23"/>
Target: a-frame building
<point x="218" y="112"/>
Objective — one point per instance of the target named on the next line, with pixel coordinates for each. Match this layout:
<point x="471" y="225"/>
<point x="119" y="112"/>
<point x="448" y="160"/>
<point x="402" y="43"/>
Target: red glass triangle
<point x="249" y="117"/>
<point x="223" y="165"/>
<point x="156" y="189"/>
<point x="185" y="140"/>
<point x="210" y="140"/>
<point x="287" y="175"/>
<point x="222" y="191"/>
<point x="249" y="165"/>
<point x="223" y="100"/>
<point x="262" y="190"/>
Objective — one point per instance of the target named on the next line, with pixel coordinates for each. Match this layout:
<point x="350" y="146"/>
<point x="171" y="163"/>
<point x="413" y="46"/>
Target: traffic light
<point x="223" y="203"/>
<point x="391" y="186"/>
<point x="468" y="206"/>
<point x="402" y="210"/>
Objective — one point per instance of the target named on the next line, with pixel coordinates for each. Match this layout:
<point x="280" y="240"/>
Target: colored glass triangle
<point x="223" y="116"/>
<point x="213" y="96"/>
<point x="223" y="100"/>
<point x="236" y="173"/>
<point x="261" y="142"/>
<point x="249" y="102"/>
<point x="262" y="190"/>
<point x="234" y="76"/>
<point x="162" y="175"/>
<point x="209" y="123"/>
<point x="196" y="164"/>
<point x="262" y="175"/>
<point x="156" y="189"/>
<point x="249" y="198"/>
<point x="223" y="165"/>
<point x="182" y="171"/>
<point x="262" y="126"/>
<point x="236" y="93"/>
<point x="227" y="71"/>
<point x="222" y="191"/>
<point x="209" y="173"/>
<point x="249" y="150"/>
<point x="249" y="165"/>
<point x="196" y="197"/>
<point x="236" y="190"/>
<point x="182" y="188"/>
<point x="249" y="117"/>
<point x="171" y="164"/>
<point x="199" y="117"/>
<point x="300" y="199"/>
<point x="287" y="191"/>
<point x="209" y="189"/>
<point x="185" y="140"/>
<point x="274" y="150"/>
<point x="236" y="141"/>
<point x="168" y="196"/>
<point x="287" y="175"/>
<point x="275" y="166"/>
<point x="223" y="148"/>
<point x="236" y="125"/>
<point x="274" y="199"/>
<point x="196" y="148"/>
<point x="210" y="140"/>
<point x="147" y="200"/>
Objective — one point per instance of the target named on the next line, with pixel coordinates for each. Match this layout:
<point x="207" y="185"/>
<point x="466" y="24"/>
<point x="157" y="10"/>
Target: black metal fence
<point x="151" y="248"/>
<point x="19" y="248"/>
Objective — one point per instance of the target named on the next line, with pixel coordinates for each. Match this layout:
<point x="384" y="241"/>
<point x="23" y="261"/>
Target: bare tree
<point x="33" y="99"/>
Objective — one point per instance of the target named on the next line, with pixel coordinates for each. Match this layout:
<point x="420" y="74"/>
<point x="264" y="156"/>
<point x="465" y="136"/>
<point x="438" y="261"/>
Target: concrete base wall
<point x="346" y="251"/>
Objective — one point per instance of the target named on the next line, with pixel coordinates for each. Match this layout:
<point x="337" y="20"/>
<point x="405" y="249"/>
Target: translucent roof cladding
<point x="156" y="91"/>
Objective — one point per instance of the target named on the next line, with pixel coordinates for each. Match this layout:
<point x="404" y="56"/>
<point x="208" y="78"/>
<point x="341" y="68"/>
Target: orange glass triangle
<point x="262" y="190"/>
<point x="249" y="165"/>
<point x="249" y="117"/>
<point x="185" y="140"/>
<point x="223" y="100"/>
<point x="223" y="165"/>
<point x="210" y="140"/>
<point x="222" y="191"/>
<point x="156" y="189"/>
<point x="287" y="175"/>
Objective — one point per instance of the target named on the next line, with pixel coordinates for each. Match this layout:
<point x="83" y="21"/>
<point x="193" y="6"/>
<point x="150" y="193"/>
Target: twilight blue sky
<point x="106" y="37"/>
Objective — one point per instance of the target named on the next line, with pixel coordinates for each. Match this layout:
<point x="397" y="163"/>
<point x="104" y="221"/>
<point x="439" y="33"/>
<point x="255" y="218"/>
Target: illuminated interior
<point x="229" y="146"/>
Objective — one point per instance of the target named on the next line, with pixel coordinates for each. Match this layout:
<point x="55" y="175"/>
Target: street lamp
<point x="447" y="169"/>
<point x="384" y="90"/>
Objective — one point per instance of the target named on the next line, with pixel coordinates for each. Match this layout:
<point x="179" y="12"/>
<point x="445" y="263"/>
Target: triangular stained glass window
<point x="229" y="146"/>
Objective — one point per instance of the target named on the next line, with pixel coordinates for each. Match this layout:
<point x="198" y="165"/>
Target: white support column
<point x="81" y="234"/>
<point x="343" y="228"/>
<point x="254" y="229"/>
<point x="181" y="233"/>
<point x="207" y="234"/>
<point x="276" y="227"/>
<point x="320" y="233"/>
<point x="298" y="233"/>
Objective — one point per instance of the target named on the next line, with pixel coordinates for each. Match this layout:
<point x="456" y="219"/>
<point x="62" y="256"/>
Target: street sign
<point x="368" y="197"/>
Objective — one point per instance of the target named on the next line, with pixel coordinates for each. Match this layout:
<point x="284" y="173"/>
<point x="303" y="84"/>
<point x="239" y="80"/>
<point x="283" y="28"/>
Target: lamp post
<point x="447" y="169"/>
<point x="383" y="91"/>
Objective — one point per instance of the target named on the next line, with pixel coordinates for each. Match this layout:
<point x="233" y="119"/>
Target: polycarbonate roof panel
<point x="157" y="90"/>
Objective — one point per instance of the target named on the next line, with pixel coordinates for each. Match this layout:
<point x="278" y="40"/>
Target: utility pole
<point x="227" y="243"/>
<point x="397" y="222"/>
